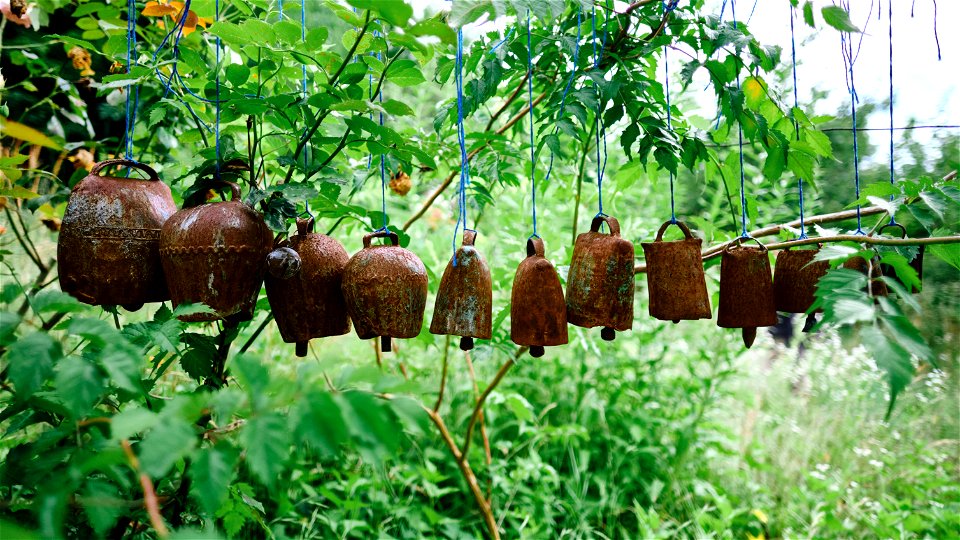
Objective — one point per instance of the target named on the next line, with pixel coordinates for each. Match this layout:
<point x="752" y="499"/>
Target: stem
<point x="507" y="103"/>
<point x="443" y="376"/>
<point x="256" y="333"/>
<point x="483" y="428"/>
<point x="478" y="409"/>
<point x="482" y="503"/>
<point x="149" y="493"/>
<point x="383" y="75"/>
<point x="23" y="243"/>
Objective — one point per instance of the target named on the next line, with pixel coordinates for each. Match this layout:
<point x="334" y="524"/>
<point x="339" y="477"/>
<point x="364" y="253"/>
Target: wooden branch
<point x="449" y="179"/>
<point x="482" y="503"/>
<point x="478" y="408"/>
<point x="510" y="99"/>
<point x="824" y="218"/>
<point x="487" y="454"/>
<point x="149" y="493"/>
<point x="443" y="376"/>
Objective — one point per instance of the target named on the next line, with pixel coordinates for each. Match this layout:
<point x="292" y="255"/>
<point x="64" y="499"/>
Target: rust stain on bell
<point x="215" y="254"/>
<point x="746" y="291"/>
<point x="108" y="251"/>
<point x="675" y="278"/>
<point x="385" y="288"/>
<point x="795" y="279"/>
<point x="307" y="302"/>
<point x="538" y="313"/>
<point x="600" y="282"/>
<point x="465" y="299"/>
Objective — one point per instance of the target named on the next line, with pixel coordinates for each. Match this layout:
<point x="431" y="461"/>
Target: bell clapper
<point x="385" y="345"/>
<point x="466" y="343"/>
<point x="810" y="322"/>
<point x="608" y="334"/>
<point x="676" y="321"/>
<point x="133" y="307"/>
<point x="301" y="348"/>
<point x="536" y="351"/>
<point x="749" y="336"/>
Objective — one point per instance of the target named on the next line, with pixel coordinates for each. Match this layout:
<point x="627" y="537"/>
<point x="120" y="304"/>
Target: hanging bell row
<point x="124" y="243"/>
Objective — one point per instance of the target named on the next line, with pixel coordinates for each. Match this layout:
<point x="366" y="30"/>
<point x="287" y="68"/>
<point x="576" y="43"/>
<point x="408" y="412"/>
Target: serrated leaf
<point x="267" y="443"/>
<point x="405" y="73"/>
<point x="132" y="421"/>
<point x="31" y="362"/>
<point x="211" y="475"/>
<point x="892" y="358"/>
<point x="79" y="384"/>
<point x="56" y="302"/>
<point x="318" y="423"/>
<point x="838" y="18"/>
<point x="166" y="444"/>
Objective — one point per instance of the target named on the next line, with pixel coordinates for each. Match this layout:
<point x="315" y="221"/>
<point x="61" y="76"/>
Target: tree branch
<point x="478" y="408"/>
<point x="149" y="493"/>
<point x="443" y="376"/>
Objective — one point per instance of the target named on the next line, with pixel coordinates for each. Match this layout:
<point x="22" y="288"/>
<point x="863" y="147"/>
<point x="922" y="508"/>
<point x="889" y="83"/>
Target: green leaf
<point x="395" y="12"/>
<point x="166" y="444"/>
<point x="287" y="31"/>
<point x="79" y="384"/>
<point x="319" y="423"/>
<point x="397" y="108"/>
<point x="31" y="362"/>
<point x="122" y="363"/>
<point x="131" y="421"/>
<point x="405" y="73"/>
<point x="316" y="37"/>
<point x="17" y="192"/>
<point x="891" y="358"/>
<point x="434" y="27"/>
<point x="56" y="302"/>
<point x="808" y="14"/>
<point x="838" y="18"/>
<point x="371" y="424"/>
<point x="200" y="355"/>
<point x="192" y="309"/>
<point x="253" y="377"/>
<point x="97" y="499"/>
<point x="211" y="475"/>
<point x="267" y="443"/>
<point x="8" y="325"/>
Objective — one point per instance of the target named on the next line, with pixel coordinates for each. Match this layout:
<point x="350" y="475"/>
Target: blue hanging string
<point x="667" y="8"/>
<point x="743" y="194"/>
<point x="846" y="47"/>
<point x="461" y="140"/>
<point x="217" y="84"/>
<point x="496" y="46"/>
<point x="533" y="165"/>
<point x="132" y="101"/>
<point x="383" y="170"/>
<point x="893" y="219"/>
<point x="566" y="89"/>
<point x="796" y="106"/>
<point x="601" y="128"/>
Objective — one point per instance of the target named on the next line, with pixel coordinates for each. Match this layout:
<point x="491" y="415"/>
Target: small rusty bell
<point x="916" y="263"/>
<point x="538" y="312"/>
<point x="746" y="290"/>
<point x="108" y="250"/>
<point x="675" y="278"/>
<point x="795" y="279"/>
<point x="215" y="254"/>
<point x="600" y="282"/>
<point x="465" y="299"/>
<point x="385" y="288"/>
<point x="307" y="302"/>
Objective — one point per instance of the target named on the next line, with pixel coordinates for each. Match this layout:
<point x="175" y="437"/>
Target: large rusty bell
<point x="215" y="254"/>
<point x="795" y="279"/>
<point x="746" y="290"/>
<point x="675" y="278"/>
<point x="108" y="250"/>
<point x="385" y="287"/>
<point x="916" y="263"/>
<point x="465" y="299"/>
<point x="538" y="312"/>
<point x="304" y="290"/>
<point x="600" y="282"/>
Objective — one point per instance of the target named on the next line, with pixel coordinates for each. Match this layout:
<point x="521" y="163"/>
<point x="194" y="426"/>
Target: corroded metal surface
<point x="465" y="299"/>
<point x="538" y="313"/>
<point x="600" y="283"/>
<point x="675" y="278"/>
<point x="108" y="250"/>
<point x="308" y="303"/>
<point x="283" y="262"/>
<point x="215" y="254"/>
<point x="876" y="285"/>
<point x="746" y="291"/>
<point x="385" y="287"/>
<point x="795" y="279"/>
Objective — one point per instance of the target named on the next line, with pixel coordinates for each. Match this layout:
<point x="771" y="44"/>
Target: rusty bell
<point x="916" y="262"/>
<point x="675" y="278"/>
<point x="600" y="282"/>
<point x="385" y="288"/>
<point x="215" y="254"/>
<point x="307" y="302"/>
<point x="465" y="299"/>
<point x="795" y="279"/>
<point x="108" y="250"/>
<point x="746" y="290"/>
<point x="538" y="313"/>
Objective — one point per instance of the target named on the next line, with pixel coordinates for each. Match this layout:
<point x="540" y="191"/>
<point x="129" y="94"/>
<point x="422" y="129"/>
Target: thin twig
<point x="443" y="375"/>
<point x="478" y="409"/>
<point x="149" y="493"/>
<point x="510" y="99"/>
<point x="483" y="426"/>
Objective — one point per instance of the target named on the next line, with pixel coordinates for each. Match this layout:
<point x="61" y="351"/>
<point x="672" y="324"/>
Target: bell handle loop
<point x="152" y="174"/>
<point x="394" y="239"/>
<point x="305" y="226"/>
<point x="683" y="227"/>
<point x="611" y="222"/>
<point x="469" y="236"/>
<point x="535" y="246"/>
<point x="903" y="230"/>
<point x="738" y="243"/>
